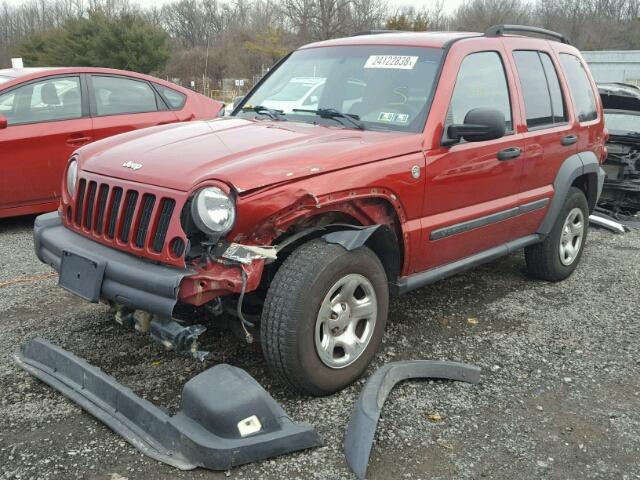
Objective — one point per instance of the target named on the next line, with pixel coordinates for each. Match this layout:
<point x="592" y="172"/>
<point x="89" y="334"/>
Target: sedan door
<point x="46" y="123"/>
<point x="121" y="104"/>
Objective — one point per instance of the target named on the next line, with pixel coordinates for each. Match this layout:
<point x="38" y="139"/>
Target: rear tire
<point x="558" y="255"/>
<point x="324" y="317"/>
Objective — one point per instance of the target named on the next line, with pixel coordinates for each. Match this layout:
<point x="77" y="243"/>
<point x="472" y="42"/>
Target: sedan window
<point x="44" y="101"/>
<point x="119" y="95"/>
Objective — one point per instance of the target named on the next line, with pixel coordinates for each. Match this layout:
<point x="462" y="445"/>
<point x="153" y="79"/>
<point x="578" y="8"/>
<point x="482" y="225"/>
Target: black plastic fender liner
<point x="226" y="418"/>
<point x="361" y="430"/>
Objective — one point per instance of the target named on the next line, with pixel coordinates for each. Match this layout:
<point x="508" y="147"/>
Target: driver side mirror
<point x="480" y="124"/>
<point x="3" y="122"/>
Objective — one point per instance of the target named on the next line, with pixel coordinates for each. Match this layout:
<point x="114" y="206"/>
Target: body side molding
<point x="421" y="279"/>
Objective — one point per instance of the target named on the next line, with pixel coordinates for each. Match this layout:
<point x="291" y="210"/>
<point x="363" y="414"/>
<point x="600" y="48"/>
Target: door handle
<point x="77" y="141"/>
<point x="569" y="140"/>
<point x="510" y="153"/>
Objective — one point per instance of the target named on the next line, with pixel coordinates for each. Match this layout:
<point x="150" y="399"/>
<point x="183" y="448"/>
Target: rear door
<point x="549" y="130"/>
<point x="120" y="104"/>
<point x="47" y="122"/>
<point x="470" y="192"/>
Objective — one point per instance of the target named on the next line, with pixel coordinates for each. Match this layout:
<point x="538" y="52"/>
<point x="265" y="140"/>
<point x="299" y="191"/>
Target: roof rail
<point x="500" y="30"/>
<point x="377" y="32"/>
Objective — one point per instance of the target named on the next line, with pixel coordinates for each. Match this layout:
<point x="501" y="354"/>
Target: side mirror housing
<point x="237" y="100"/>
<point x="4" y="123"/>
<point x="480" y="124"/>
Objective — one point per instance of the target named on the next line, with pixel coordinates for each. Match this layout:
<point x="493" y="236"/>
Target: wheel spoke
<point x="363" y="309"/>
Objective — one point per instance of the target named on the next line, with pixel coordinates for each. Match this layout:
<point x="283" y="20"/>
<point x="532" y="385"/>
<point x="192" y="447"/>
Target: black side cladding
<point x="358" y="439"/>
<point x="226" y="417"/>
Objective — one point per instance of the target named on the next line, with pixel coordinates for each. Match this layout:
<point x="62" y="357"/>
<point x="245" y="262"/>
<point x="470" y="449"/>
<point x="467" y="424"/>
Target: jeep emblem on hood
<point x="132" y="165"/>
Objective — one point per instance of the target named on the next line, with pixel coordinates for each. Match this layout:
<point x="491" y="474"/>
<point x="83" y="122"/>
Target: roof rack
<point x="500" y="30"/>
<point x="377" y="32"/>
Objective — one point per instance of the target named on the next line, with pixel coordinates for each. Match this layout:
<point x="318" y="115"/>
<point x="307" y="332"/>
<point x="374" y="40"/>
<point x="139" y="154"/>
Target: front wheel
<point x="324" y="316"/>
<point x="558" y="256"/>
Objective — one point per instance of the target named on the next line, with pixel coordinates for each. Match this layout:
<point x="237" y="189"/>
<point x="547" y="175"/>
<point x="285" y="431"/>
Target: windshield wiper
<point x="334" y="114"/>
<point x="261" y="110"/>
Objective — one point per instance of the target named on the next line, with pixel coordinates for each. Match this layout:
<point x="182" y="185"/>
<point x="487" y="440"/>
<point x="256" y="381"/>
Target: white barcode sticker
<point x="402" y="62"/>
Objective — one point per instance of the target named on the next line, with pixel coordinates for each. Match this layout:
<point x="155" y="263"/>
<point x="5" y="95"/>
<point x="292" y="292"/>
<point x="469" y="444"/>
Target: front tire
<point x="558" y="255"/>
<point x="324" y="317"/>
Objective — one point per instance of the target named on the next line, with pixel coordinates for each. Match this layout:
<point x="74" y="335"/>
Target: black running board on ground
<point x="433" y="275"/>
<point x="226" y="417"/>
<point x="358" y="439"/>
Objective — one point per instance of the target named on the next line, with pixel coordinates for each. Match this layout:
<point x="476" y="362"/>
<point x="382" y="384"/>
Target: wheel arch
<point x="579" y="170"/>
<point x="372" y="221"/>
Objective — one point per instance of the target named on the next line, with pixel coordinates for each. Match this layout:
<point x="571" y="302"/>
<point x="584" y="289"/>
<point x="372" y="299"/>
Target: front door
<point x="45" y="126"/>
<point x="471" y="193"/>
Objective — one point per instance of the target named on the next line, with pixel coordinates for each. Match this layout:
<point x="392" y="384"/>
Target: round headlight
<point x="72" y="177"/>
<point x="213" y="211"/>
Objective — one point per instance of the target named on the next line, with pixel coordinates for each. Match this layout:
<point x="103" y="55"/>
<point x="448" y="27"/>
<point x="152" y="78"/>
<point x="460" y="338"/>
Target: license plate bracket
<point x="81" y="276"/>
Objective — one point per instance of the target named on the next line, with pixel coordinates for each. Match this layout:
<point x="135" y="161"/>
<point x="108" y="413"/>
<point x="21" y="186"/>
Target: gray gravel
<point x="559" y="397"/>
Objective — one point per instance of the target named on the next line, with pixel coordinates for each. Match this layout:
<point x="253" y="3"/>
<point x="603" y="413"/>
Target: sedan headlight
<point x="213" y="211"/>
<point x="72" y="177"/>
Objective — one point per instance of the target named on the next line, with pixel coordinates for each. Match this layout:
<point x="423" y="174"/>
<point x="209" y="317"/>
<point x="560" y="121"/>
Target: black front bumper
<point x="128" y="280"/>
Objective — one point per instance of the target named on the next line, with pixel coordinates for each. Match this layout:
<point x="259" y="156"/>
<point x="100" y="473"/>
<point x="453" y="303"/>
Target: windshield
<point x="384" y="87"/>
<point x="622" y="122"/>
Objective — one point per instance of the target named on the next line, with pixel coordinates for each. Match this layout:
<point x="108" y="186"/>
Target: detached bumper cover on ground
<point x="128" y="280"/>
<point x="362" y="426"/>
<point x="226" y="417"/>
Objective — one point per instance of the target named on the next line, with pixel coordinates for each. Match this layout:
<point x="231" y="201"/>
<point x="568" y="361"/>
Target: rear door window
<point x="581" y="91"/>
<point x="481" y="83"/>
<point x="540" y="88"/>
<point x="120" y="95"/>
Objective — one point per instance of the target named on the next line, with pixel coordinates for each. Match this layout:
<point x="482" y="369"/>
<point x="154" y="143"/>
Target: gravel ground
<point x="559" y="396"/>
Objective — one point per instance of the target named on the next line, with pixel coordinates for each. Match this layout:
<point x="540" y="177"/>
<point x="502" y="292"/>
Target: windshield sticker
<point x="401" y="62"/>
<point x="386" y="117"/>
<point x="402" y="118"/>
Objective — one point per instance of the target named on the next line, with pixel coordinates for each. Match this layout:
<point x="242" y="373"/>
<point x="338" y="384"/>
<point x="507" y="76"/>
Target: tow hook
<point x="177" y="337"/>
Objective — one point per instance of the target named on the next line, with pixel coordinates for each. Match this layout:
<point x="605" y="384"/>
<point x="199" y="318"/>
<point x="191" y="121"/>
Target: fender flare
<point x="573" y="167"/>
<point x="358" y="438"/>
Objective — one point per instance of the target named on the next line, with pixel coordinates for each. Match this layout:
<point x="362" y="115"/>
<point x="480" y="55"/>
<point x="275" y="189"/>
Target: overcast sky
<point x="449" y="4"/>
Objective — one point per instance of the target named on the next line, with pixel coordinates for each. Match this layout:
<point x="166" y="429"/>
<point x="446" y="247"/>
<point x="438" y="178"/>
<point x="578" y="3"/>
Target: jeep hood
<point x="246" y="154"/>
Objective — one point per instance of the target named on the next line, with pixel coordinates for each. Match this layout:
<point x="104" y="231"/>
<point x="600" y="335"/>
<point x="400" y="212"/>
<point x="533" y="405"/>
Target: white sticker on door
<point x="401" y="62"/>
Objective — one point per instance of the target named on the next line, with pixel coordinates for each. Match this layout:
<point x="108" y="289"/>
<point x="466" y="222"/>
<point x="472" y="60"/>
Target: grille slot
<point x="129" y="209"/>
<point x="113" y="216"/>
<point x="102" y="205"/>
<point x="91" y="198"/>
<point x="148" y="201"/>
<point x="80" y="201"/>
<point x="166" y="211"/>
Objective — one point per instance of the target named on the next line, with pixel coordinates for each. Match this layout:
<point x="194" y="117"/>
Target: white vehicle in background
<point x="299" y="93"/>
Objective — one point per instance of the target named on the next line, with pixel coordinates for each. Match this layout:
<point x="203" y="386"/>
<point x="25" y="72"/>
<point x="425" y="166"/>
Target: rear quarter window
<point x="175" y="99"/>
<point x="581" y="91"/>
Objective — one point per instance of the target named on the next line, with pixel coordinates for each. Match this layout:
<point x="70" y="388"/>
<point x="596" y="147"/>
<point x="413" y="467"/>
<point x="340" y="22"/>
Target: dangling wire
<point x="244" y="322"/>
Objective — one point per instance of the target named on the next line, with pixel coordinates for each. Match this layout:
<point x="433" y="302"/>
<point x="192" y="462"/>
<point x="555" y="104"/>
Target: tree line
<point x="209" y="40"/>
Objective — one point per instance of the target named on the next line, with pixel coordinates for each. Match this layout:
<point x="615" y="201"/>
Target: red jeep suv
<point x="417" y="156"/>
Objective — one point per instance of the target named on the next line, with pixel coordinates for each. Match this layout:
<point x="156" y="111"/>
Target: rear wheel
<point x="558" y="256"/>
<point x="324" y="316"/>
